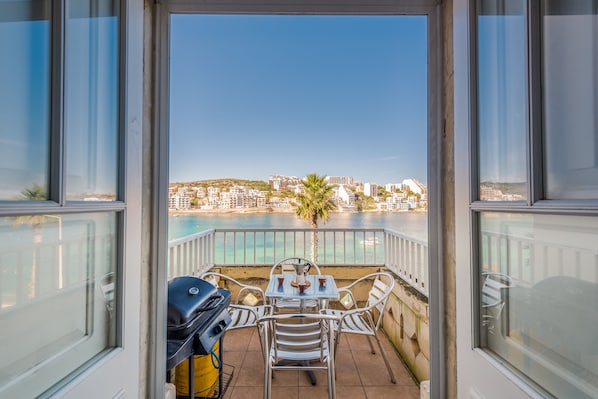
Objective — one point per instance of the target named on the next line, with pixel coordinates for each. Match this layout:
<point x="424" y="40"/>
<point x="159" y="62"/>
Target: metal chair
<point x="492" y="297"/>
<point x="292" y="341"/>
<point x="286" y="266"/>
<point x="365" y="320"/>
<point x="247" y="304"/>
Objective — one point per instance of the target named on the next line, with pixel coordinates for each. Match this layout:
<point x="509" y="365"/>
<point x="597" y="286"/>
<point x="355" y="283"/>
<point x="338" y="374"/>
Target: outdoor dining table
<point x="287" y="290"/>
<point x="314" y="291"/>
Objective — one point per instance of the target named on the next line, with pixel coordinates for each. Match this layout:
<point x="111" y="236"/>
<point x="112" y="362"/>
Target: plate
<point x="294" y="283"/>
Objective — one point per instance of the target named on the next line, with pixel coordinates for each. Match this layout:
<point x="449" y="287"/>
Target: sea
<point x="414" y="224"/>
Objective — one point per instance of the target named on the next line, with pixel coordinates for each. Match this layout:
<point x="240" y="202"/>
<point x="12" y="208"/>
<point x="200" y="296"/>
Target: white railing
<point x="191" y="255"/>
<point x="406" y="256"/>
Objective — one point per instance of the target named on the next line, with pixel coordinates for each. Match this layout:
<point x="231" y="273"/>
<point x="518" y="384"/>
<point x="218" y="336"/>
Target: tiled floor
<point x="359" y="374"/>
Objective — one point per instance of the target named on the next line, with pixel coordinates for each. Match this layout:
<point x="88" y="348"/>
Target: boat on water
<point x="370" y="241"/>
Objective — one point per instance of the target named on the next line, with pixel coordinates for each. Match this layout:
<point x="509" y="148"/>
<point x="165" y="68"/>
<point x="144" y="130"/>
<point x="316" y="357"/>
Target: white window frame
<point x="477" y="367"/>
<point x="116" y="371"/>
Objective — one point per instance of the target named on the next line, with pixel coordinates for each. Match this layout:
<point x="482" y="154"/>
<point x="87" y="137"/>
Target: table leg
<point x="191" y="377"/>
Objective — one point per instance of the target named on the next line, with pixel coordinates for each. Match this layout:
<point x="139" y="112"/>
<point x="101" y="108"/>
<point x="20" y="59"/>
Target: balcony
<point x="347" y="254"/>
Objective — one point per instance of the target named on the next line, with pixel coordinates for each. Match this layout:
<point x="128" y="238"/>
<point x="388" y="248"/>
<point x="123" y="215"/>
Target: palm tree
<point x="36" y="193"/>
<point x="315" y="204"/>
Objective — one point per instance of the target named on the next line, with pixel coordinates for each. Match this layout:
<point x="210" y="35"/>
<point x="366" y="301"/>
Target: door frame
<point x="433" y="10"/>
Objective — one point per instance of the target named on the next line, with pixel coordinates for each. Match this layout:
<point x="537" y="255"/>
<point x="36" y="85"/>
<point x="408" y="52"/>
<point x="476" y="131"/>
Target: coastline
<point x="270" y="210"/>
<point x="227" y="211"/>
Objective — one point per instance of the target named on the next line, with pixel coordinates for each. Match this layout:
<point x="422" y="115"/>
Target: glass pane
<point x="92" y="100"/>
<point x="57" y="279"/>
<point x="539" y="279"/>
<point x="570" y="84"/>
<point x="502" y="100"/>
<point x="24" y="99"/>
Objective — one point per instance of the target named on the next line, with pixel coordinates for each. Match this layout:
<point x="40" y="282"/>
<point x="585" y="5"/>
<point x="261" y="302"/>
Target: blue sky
<point x="255" y="95"/>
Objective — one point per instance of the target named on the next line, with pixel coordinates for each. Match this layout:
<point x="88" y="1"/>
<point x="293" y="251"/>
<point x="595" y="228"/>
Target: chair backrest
<point x="242" y="293"/>
<point x="108" y="287"/>
<point x="377" y="296"/>
<point x="380" y="291"/>
<point x="300" y="337"/>
<point x="286" y="266"/>
<point x="492" y="289"/>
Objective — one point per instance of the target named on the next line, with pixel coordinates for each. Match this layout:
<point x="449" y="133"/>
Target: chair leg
<point x="392" y="376"/>
<point x="370" y="343"/>
<point x="267" y="381"/>
<point x="331" y="380"/>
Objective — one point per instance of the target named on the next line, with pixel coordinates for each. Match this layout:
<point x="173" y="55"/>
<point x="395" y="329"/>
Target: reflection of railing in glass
<point x="547" y="320"/>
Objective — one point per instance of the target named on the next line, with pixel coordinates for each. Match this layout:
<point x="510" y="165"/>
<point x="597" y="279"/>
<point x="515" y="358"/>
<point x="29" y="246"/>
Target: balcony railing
<point x="406" y="256"/>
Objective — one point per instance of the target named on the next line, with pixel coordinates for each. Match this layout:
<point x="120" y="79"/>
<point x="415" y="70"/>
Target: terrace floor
<point x="359" y="374"/>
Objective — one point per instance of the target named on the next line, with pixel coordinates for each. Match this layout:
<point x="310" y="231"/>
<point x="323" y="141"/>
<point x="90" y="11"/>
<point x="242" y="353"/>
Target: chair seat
<point x="351" y="322"/>
<point x="294" y="303"/>
<point x="246" y="316"/>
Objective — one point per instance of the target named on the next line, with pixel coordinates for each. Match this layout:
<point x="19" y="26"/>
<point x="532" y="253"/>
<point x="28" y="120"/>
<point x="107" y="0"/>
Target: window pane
<point x="538" y="299"/>
<point x="570" y="77"/>
<point x="502" y="100"/>
<point x="24" y="98"/>
<point x="56" y="297"/>
<point x="92" y="100"/>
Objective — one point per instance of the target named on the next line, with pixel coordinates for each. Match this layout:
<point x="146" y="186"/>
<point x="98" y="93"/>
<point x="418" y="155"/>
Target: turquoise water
<point x="414" y="224"/>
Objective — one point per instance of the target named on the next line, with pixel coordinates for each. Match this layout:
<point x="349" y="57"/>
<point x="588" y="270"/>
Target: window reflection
<point x="538" y="296"/>
<point x="502" y="99"/>
<point x="24" y="98"/>
<point x="92" y="95"/>
<point x="570" y="84"/>
<point x="57" y="284"/>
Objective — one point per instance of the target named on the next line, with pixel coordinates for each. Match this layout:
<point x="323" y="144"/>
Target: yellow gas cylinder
<point x="205" y="375"/>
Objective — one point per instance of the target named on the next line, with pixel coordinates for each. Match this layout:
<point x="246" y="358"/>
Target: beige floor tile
<point x="237" y="340"/>
<point x="246" y="393"/>
<point x="251" y="372"/>
<point x="391" y="392"/>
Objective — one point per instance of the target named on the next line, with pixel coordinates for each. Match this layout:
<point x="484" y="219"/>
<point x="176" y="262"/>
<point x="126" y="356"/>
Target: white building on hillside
<point x="415" y="186"/>
<point x="370" y="189"/>
<point x="345" y="195"/>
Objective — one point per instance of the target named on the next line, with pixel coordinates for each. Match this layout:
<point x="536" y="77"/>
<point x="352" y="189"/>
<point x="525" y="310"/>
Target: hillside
<point x="226" y="183"/>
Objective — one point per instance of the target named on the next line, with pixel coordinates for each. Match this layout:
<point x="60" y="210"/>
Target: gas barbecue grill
<point x="197" y="319"/>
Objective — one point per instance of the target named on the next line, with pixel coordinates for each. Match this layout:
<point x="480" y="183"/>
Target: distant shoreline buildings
<point x="280" y="191"/>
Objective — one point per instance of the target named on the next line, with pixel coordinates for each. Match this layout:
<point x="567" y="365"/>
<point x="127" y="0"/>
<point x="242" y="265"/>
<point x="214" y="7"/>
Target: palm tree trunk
<point x="314" y="239"/>
<point x="37" y="239"/>
<point x="314" y="246"/>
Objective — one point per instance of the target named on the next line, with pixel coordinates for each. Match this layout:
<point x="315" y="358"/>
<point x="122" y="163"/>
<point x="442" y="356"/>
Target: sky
<point x="253" y="96"/>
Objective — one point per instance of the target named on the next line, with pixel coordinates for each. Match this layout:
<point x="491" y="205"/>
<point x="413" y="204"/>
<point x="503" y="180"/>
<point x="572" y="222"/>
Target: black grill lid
<point x="188" y="296"/>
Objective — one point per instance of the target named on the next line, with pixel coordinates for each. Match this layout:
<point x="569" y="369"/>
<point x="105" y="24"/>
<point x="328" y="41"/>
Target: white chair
<point x="365" y="320"/>
<point x="286" y="266"/>
<point x="493" y="298"/>
<point x="294" y="341"/>
<point x="247" y="304"/>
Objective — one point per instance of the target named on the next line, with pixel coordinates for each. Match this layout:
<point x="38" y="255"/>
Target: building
<point x="414" y="186"/>
<point x="370" y="189"/>
<point x="338" y="180"/>
<point x="519" y="73"/>
<point x="345" y="195"/>
<point x="283" y="183"/>
<point x="178" y="201"/>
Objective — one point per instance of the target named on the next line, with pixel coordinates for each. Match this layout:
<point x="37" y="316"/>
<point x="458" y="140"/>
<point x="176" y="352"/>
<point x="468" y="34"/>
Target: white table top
<point x="314" y="291"/>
